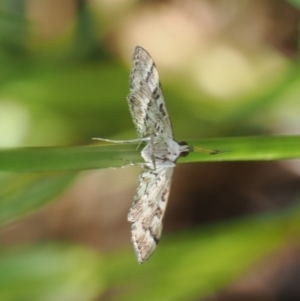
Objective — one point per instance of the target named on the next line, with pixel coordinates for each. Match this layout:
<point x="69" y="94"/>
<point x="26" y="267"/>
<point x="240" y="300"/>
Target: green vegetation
<point x="55" y="97"/>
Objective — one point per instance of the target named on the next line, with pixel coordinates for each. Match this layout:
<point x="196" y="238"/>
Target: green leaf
<point x="50" y="272"/>
<point x="260" y="148"/>
<point x="296" y="3"/>
<point x="38" y="193"/>
<point x="93" y="157"/>
<point x="66" y="158"/>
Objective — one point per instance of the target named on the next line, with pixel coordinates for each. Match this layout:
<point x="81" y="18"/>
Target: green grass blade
<point x="259" y="148"/>
<point x="38" y="193"/>
<point x="66" y="158"/>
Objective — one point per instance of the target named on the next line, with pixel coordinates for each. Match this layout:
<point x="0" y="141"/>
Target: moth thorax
<point x="162" y="150"/>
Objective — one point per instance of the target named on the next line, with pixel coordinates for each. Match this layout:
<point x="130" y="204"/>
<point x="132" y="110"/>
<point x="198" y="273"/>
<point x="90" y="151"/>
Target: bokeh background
<point x="228" y="68"/>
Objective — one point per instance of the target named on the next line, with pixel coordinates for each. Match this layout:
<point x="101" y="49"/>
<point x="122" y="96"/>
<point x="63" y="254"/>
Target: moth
<point x="151" y="119"/>
<point x="150" y="116"/>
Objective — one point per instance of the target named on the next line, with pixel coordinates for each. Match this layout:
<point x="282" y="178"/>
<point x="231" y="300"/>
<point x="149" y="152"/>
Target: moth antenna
<point x="140" y="140"/>
<point x="209" y="151"/>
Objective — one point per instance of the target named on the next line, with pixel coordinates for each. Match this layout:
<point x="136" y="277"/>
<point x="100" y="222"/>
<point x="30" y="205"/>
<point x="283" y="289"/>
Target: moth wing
<point x="148" y="209"/>
<point x="146" y="101"/>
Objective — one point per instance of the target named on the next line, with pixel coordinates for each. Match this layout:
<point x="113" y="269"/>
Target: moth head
<point x="185" y="149"/>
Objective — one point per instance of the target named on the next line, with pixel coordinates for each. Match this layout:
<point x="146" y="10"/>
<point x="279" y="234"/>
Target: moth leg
<point x="130" y="163"/>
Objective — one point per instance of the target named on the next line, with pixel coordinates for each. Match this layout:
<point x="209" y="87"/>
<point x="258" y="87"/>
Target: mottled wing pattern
<point x="146" y="101"/>
<point x="147" y="210"/>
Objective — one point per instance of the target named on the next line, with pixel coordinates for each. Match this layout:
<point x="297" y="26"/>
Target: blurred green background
<point x="228" y="69"/>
